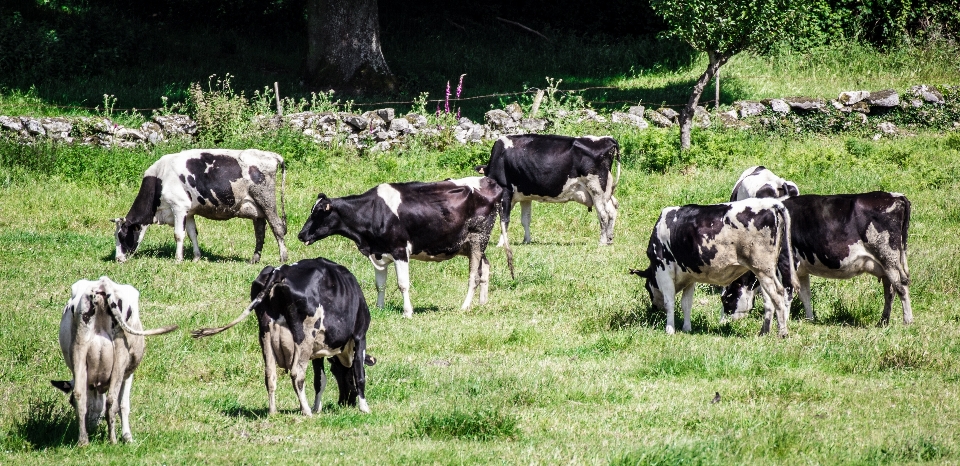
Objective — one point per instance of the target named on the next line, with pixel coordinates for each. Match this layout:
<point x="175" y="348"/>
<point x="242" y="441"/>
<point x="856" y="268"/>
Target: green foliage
<point x="728" y="27"/>
<point x="220" y="112"/>
<point x="481" y="425"/>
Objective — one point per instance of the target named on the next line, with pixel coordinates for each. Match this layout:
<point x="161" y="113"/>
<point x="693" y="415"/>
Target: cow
<point x="397" y="222"/>
<point x="760" y="182"/>
<point x="102" y="342"/>
<point x="550" y="168"/>
<point x="716" y="244"/>
<point x="307" y="311"/>
<point x="218" y="184"/>
<point x="841" y="236"/>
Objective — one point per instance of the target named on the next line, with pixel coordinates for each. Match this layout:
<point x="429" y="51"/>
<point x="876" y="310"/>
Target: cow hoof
<point x="782" y="334"/>
<point x="670" y="330"/>
<point x="196" y="259"/>
<point x="362" y="405"/>
<point x="127" y="438"/>
<point x="687" y="329"/>
<point x="408" y="314"/>
<point x="255" y="259"/>
<point x="121" y="259"/>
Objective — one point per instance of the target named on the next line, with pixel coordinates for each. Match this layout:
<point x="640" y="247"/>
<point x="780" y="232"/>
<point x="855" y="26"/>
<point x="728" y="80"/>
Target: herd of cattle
<point x="768" y="237"/>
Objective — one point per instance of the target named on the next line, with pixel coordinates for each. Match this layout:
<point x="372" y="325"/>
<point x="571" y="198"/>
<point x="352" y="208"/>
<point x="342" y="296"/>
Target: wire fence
<point x="531" y="90"/>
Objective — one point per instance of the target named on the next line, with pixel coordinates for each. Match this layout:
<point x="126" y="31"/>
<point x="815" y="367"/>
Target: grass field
<point x="565" y="364"/>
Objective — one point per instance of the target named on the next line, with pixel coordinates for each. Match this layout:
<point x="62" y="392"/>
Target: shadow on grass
<point x="46" y="424"/>
<point x="169" y="251"/>
<point x="842" y="314"/>
<point x="246" y="412"/>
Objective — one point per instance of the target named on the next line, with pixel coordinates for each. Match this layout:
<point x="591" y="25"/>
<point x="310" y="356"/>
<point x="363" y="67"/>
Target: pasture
<point x="565" y="364"/>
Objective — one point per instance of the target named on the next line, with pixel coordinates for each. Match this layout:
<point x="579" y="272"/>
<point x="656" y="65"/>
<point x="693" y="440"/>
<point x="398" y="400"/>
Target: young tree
<point x="722" y="29"/>
<point x="344" y="46"/>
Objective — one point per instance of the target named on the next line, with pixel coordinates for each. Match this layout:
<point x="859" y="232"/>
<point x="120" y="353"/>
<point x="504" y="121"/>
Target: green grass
<point x="566" y="363"/>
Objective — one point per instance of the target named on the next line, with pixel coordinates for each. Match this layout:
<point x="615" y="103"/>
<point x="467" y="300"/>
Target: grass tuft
<point x="481" y="425"/>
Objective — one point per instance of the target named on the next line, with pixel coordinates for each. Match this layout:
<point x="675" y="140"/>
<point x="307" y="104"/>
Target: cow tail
<point x="905" y="273"/>
<point x="117" y="314"/>
<point x="506" y="243"/>
<point x="617" y="155"/>
<point x="206" y="332"/>
<point x="788" y="243"/>
<point x="283" y="182"/>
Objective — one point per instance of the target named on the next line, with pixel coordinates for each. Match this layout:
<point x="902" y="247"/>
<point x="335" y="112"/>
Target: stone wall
<point x="382" y="129"/>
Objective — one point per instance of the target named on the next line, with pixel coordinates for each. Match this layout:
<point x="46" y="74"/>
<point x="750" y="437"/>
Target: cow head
<point x="322" y="222"/>
<point x="96" y="407"/>
<point x="128" y="236"/>
<point x="737" y="297"/>
<point x="653" y="289"/>
<point x="790" y="189"/>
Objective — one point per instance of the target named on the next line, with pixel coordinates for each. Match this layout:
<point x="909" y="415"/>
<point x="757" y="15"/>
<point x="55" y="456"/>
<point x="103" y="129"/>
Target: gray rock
<point x="301" y="121"/>
<point x="356" y="122"/>
<point x="658" y="119"/>
<point x="887" y="128"/>
<point x="499" y="119"/>
<point x="374" y="122"/>
<point x="861" y="117"/>
<point x="629" y="119"/>
<point x="701" y="117"/>
<point x="387" y="114"/>
<point x="730" y="120"/>
<point x="385" y="135"/>
<point x="928" y="93"/>
<point x="416" y="120"/>
<point x="464" y="123"/>
<point x="400" y="125"/>
<point x="636" y="110"/>
<point x="805" y="103"/>
<point x="33" y="126"/>
<point x="515" y="111"/>
<point x="11" y="123"/>
<point x="777" y="105"/>
<point x="130" y="134"/>
<point x="839" y="106"/>
<point x="861" y="107"/>
<point x="590" y="115"/>
<point x="885" y="98"/>
<point x="916" y="103"/>
<point x="730" y="113"/>
<point x="749" y="108"/>
<point x="670" y="113"/>
<point x="533" y="124"/>
<point x="176" y="125"/>
<point x="852" y="97"/>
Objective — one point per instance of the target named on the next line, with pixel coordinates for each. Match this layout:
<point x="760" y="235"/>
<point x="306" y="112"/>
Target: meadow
<point x="565" y="364"/>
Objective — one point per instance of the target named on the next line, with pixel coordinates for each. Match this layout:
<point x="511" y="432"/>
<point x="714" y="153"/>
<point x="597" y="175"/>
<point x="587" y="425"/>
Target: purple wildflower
<point x="438" y="109"/>
<point x="446" y="102"/>
<point x="458" y="113"/>
<point x="460" y="86"/>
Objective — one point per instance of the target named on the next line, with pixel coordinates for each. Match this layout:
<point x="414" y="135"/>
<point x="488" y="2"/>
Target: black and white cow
<point x="218" y="184"/>
<point x="761" y="182"/>
<point x="550" y="168"/>
<point x="396" y="222"/>
<point x="842" y="236"/>
<point x="307" y="311"/>
<point x="102" y="342"/>
<point x="716" y="244"/>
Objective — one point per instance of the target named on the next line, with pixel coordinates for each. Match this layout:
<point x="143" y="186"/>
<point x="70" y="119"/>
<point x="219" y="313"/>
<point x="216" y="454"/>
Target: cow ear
<point x="66" y="386"/>
<point x="480" y="169"/>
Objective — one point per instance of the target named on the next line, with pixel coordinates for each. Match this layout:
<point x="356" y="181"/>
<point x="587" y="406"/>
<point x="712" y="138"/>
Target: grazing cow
<point x="218" y="184"/>
<point x="842" y="236"/>
<point x="549" y="168"/>
<point x="760" y="182"/>
<point x="716" y="244"/>
<point x="102" y="343"/>
<point x="310" y="310"/>
<point x="396" y="222"/>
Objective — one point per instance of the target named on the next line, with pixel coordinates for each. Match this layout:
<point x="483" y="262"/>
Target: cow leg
<point x="380" y="271"/>
<point x="403" y="282"/>
<point x="773" y="299"/>
<point x="686" y="303"/>
<point x="506" y="204"/>
<point x="191" y="226"/>
<point x="669" y="300"/>
<point x="904" y="293"/>
<point x="178" y="234"/>
<point x="525" y="209"/>
<point x="887" y="301"/>
<point x="116" y="385"/>
<point x="484" y="278"/>
<point x="599" y="199"/>
<point x="298" y="375"/>
<point x="80" y="394"/>
<point x="269" y="372"/>
<point x="259" y="233"/>
<point x="279" y="230"/>
<point x="360" y="374"/>
<point x="125" y="433"/>
<point x="805" y="297"/>
<point x="319" y="383"/>
<point x="475" y="274"/>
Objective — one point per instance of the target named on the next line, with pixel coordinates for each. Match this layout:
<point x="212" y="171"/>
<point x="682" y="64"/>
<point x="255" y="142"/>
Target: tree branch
<point x="522" y="27"/>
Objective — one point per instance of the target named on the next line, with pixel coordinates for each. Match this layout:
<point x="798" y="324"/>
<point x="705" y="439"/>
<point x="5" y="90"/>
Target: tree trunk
<point x="344" y="47"/>
<point x="686" y="115"/>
